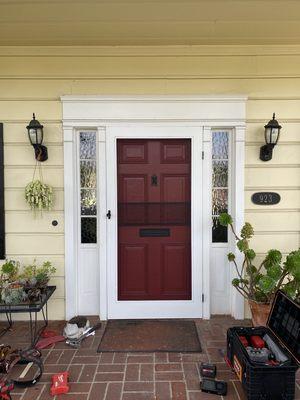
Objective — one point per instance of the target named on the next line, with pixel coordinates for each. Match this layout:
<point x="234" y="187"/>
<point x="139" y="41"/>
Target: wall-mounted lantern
<point x="36" y="135"/>
<point x="272" y="133"/>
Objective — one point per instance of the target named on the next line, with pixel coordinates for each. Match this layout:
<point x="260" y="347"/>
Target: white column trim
<point x="238" y="178"/>
<point x="102" y="220"/>
<point x="71" y="278"/>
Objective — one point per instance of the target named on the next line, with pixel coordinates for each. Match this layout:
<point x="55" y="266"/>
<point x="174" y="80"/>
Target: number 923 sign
<point x="265" y="198"/>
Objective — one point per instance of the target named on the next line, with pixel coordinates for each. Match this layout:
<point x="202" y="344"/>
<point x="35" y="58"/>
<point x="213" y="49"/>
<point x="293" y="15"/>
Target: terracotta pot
<point x="260" y="313"/>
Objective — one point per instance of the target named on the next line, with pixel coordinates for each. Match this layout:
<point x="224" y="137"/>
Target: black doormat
<point x="150" y="336"/>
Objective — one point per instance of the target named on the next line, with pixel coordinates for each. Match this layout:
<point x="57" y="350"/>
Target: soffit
<point x="149" y="22"/>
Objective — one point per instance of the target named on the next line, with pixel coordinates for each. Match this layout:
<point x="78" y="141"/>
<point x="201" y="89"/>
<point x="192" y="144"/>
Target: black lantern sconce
<point x="272" y="133"/>
<point x="36" y="135"/>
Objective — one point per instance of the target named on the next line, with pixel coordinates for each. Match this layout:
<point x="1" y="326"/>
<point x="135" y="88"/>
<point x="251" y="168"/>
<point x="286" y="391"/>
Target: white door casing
<point x="107" y="115"/>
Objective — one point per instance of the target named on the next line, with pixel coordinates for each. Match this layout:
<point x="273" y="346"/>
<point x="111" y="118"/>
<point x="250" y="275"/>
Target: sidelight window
<point x="220" y="182"/>
<point x="88" y="187"/>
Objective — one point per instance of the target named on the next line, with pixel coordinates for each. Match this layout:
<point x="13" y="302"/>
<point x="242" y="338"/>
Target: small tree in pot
<point x="258" y="284"/>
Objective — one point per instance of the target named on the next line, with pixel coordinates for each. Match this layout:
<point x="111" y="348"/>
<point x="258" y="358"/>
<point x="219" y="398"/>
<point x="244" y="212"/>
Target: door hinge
<point x="202" y="298"/>
<point x="202" y="155"/>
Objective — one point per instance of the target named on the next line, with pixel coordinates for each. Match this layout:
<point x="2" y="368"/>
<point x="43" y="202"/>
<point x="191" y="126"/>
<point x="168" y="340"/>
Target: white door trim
<point x="100" y="112"/>
<point x="155" y="309"/>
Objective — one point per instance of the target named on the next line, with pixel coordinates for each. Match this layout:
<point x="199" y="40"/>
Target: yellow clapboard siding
<point x="28" y="222"/>
<point x="59" y="282"/>
<point x="263" y="109"/>
<point x="136" y="66"/>
<point x="279" y="222"/>
<point x="17" y="133"/>
<point x="263" y="177"/>
<point x="284" y="242"/>
<point x="130" y="66"/>
<point x="283" y="154"/>
<point x="19" y="177"/>
<point x="289" y="132"/>
<point x="35" y="244"/>
<point x="23" y="154"/>
<point x="14" y="200"/>
<point x="32" y="88"/>
<point x="290" y="199"/>
<point x="13" y="110"/>
<point x="43" y="89"/>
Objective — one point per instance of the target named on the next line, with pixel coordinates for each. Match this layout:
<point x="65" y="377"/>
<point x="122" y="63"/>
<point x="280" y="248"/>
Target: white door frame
<point x="155" y="309"/>
<point x="102" y="113"/>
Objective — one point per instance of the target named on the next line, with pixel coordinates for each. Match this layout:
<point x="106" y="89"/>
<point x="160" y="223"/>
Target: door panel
<point x="154" y="264"/>
<point x="134" y="272"/>
<point x="175" y="275"/>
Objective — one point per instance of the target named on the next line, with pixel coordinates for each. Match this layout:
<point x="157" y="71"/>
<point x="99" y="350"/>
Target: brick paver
<point x="132" y="376"/>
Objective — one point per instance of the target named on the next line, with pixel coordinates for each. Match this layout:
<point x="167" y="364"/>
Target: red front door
<point x="154" y="232"/>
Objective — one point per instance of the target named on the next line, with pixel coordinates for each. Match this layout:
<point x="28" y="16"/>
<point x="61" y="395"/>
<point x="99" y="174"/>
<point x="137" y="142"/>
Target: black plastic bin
<point x="269" y="382"/>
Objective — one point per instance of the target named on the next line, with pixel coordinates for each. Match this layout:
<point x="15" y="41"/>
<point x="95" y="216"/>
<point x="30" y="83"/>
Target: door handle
<point x="108" y="215"/>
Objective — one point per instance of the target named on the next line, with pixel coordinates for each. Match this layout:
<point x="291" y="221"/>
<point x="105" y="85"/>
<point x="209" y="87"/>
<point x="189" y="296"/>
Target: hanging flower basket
<point x="39" y="195"/>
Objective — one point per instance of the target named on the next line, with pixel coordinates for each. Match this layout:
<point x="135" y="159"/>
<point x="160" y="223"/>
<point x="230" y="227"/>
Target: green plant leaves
<point x="235" y="282"/>
<point x="242" y="245"/>
<point x="292" y="264"/>
<point x="231" y="256"/>
<point x="273" y="257"/>
<point x="274" y="272"/>
<point x="247" y="231"/>
<point x="250" y="254"/>
<point x="39" y="195"/>
<point x="225" y="219"/>
<point x="291" y="288"/>
<point x="266" y="284"/>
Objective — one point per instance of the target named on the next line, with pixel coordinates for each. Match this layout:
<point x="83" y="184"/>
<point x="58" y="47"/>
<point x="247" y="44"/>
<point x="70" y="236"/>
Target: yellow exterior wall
<point x="33" y="79"/>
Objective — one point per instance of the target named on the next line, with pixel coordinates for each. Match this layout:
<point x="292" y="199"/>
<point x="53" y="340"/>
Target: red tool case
<point x="269" y="382"/>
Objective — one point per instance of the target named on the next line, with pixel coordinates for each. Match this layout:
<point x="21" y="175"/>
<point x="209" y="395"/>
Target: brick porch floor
<point x="132" y="376"/>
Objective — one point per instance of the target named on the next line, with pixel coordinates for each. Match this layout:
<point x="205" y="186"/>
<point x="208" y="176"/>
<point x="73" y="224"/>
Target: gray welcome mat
<point x="150" y="336"/>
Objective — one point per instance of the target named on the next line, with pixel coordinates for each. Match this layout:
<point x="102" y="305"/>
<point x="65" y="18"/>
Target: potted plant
<point x="9" y="270"/>
<point x="259" y="283"/>
<point x="12" y="292"/>
<point x="35" y="278"/>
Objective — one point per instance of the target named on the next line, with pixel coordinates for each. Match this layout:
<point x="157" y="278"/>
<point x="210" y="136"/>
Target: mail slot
<point x="164" y="232"/>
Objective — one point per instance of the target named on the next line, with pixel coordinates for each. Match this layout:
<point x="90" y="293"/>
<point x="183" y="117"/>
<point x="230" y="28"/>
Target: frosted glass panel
<point x="220" y="174"/>
<point x="220" y="145"/>
<point x="88" y="174"/>
<point x="88" y="185"/>
<point x="220" y="201"/>
<point x="88" y="202"/>
<point x="87" y="145"/>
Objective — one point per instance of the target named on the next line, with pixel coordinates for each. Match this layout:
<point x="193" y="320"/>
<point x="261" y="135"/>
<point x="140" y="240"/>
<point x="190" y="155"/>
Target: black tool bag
<point x="262" y="381"/>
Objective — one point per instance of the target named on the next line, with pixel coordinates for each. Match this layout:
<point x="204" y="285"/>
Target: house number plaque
<point x="265" y="198"/>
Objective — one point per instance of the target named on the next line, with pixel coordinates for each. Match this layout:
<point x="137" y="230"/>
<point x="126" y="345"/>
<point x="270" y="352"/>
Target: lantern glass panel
<point x="271" y="135"/>
<point x="36" y="135"/>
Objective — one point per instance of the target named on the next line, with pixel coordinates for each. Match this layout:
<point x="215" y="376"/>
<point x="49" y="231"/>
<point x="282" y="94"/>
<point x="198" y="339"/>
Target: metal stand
<point x="32" y="309"/>
<point x="10" y="323"/>
<point x="34" y="332"/>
